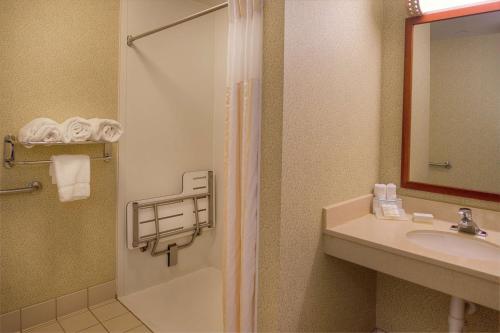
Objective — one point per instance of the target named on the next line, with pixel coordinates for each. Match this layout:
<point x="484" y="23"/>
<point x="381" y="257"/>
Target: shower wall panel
<point x="171" y="102"/>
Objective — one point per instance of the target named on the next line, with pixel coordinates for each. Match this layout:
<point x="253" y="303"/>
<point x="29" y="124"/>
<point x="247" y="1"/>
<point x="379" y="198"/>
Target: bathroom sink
<point x="465" y="246"/>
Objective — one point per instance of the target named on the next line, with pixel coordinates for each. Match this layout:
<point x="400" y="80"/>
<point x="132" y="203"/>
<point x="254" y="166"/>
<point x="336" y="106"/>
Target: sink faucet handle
<point x="465" y="214"/>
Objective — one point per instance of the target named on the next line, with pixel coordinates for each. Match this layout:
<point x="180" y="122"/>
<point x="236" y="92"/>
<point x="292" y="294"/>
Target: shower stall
<point x="171" y="161"/>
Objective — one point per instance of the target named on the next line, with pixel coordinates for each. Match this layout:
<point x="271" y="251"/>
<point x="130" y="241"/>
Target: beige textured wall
<point x="407" y="307"/>
<point x="59" y="58"/>
<point x="399" y="302"/>
<point x="332" y="78"/>
<point x="270" y="195"/>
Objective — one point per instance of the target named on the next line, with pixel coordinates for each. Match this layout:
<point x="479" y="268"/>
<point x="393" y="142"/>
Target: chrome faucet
<point x="467" y="224"/>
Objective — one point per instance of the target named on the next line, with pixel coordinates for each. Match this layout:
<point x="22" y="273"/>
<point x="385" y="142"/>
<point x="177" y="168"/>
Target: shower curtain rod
<point x="131" y="39"/>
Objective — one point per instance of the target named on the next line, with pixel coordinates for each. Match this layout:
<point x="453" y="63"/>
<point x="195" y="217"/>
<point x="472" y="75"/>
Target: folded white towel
<point x="76" y="129"/>
<point x="71" y="173"/>
<point x="106" y="130"/>
<point x="40" y="130"/>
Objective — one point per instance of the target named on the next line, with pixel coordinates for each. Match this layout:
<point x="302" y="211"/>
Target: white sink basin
<point x="465" y="246"/>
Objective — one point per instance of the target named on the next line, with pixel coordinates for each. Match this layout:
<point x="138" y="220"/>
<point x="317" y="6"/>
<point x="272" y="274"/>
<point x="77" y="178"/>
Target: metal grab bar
<point x="445" y="164"/>
<point x="131" y="39"/>
<point x="32" y="187"/>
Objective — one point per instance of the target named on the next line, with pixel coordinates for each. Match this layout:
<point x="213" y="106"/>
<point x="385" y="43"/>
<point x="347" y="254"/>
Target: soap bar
<point x="422" y="217"/>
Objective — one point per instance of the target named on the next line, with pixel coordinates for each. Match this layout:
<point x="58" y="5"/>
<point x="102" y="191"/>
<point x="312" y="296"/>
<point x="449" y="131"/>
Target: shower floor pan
<point x="192" y="303"/>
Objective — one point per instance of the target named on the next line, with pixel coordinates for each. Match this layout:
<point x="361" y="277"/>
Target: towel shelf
<point x="10" y="141"/>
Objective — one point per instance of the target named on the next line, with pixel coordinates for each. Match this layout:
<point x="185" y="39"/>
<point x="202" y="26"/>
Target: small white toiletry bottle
<point x="391" y="192"/>
<point x="380" y="191"/>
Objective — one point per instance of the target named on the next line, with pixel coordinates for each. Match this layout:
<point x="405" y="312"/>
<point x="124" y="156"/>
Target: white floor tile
<point x="78" y="322"/>
<point x="122" y="323"/>
<point x="52" y="327"/>
<point x="109" y="311"/>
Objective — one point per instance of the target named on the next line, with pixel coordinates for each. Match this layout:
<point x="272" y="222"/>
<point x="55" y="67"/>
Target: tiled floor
<point x="110" y="316"/>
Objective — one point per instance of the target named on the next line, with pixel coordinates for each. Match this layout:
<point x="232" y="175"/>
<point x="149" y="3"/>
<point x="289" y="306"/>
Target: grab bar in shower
<point x="32" y="187"/>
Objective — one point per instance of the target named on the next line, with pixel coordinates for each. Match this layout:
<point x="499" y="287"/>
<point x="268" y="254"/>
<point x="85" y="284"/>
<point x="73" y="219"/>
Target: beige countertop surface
<point x="390" y="236"/>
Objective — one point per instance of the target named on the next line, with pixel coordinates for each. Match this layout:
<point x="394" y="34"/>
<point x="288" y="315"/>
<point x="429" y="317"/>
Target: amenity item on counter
<point x="380" y="191"/>
<point x="390" y="211"/>
<point x="391" y="192"/>
<point x="423" y="217"/>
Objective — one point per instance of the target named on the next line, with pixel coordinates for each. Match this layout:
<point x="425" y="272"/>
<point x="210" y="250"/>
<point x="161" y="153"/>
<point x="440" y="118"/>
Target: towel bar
<point x="445" y="164"/>
<point x="9" y="156"/>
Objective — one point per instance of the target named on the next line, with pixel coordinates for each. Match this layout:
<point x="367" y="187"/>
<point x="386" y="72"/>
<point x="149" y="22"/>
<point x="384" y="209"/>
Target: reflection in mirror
<point x="455" y="103"/>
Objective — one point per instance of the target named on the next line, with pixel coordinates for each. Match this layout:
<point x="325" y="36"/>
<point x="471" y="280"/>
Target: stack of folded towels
<point x="71" y="173"/>
<point x="74" y="129"/>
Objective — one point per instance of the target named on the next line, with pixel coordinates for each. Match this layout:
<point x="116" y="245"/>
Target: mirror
<point x="451" y="127"/>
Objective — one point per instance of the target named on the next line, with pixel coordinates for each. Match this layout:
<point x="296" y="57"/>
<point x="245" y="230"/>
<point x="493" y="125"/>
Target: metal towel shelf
<point x="10" y="141"/>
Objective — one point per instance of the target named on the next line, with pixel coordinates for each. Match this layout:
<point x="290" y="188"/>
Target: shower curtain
<point x="242" y="152"/>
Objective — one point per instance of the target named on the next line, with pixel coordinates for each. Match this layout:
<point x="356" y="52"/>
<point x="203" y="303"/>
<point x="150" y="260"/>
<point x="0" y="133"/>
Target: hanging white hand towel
<point x="40" y="130"/>
<point x="76" y="129"/>
<point x="108" y="130"/>
<point x="71" y="173"/>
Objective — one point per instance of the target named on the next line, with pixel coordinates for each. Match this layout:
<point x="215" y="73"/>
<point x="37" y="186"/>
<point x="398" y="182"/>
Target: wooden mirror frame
<point x="407" y="99"/>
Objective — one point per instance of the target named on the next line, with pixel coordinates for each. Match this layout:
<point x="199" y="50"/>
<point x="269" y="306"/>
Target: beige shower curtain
<point x="242" y="151"/>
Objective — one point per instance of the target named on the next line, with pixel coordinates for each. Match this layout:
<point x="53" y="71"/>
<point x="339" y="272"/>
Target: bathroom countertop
<point x="353" y="234"/>
<point x="390" y="235"/>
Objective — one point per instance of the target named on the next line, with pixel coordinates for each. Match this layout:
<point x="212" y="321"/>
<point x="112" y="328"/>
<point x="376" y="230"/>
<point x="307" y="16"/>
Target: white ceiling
<point x="480" y="24"/>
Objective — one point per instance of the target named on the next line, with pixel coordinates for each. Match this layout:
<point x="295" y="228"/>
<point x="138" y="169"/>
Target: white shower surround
<point x="172" y="106"/>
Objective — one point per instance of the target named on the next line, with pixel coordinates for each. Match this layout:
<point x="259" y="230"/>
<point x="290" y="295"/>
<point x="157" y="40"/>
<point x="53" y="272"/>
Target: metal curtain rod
<point x="131" y="39"/>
